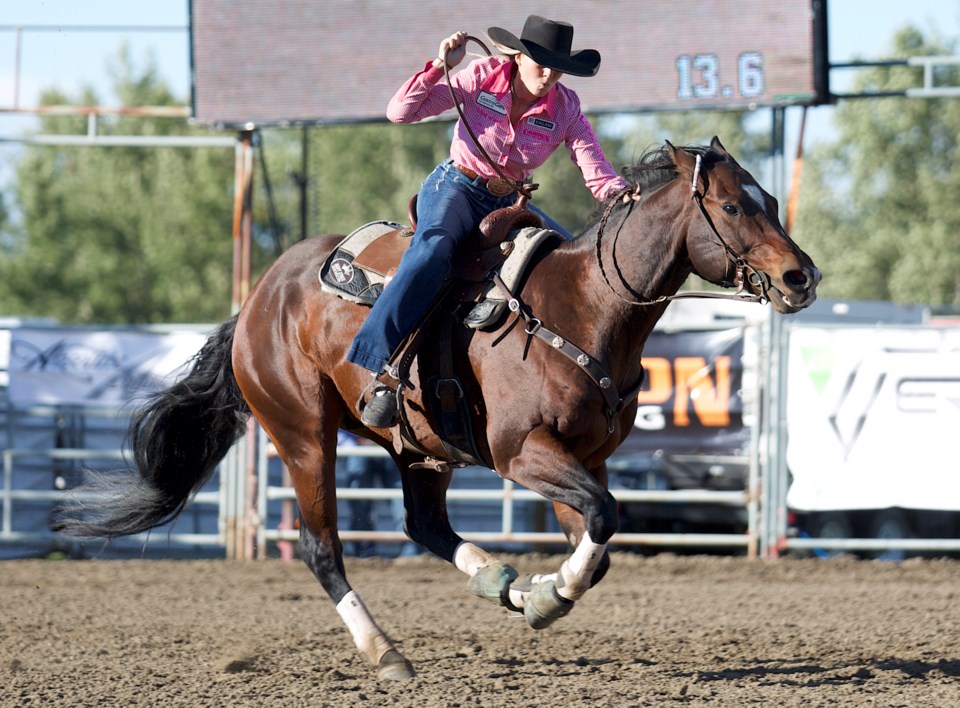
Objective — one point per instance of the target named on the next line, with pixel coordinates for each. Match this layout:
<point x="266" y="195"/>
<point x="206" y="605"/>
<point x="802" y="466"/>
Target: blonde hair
<point x="503" y="49"/>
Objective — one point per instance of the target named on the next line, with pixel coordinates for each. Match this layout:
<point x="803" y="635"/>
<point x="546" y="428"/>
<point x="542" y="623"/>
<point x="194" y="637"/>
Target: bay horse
<point x="543" y="420"/>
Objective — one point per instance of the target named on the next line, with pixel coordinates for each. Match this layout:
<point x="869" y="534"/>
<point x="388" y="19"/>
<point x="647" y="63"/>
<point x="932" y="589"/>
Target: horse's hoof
<point x="394" y="667"/>
<point x="492" y="581"/>
<point x="544" y="606"/>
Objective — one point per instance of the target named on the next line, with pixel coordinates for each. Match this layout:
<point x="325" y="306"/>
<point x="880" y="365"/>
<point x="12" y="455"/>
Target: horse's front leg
<point x="572" y="523"/>
<point x="426" y="522"/>
<point x="590" y="520"/>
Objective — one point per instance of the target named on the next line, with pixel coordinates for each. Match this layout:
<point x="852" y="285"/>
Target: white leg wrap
<point x="519" y="597"/>
<point x="577" y="570"/>
<point x="469" y="558"/>
<point x="369" y="638"/>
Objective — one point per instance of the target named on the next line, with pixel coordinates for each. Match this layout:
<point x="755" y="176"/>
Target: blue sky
<point x="67" y="60"/>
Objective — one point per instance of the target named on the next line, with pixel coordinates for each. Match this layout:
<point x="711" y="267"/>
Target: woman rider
<point x="521" y="115"/>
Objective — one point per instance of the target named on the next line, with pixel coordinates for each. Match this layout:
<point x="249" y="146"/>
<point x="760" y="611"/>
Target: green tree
<point x="120" y="234"/>
<point x="367" y="172"/>
<point x="878" y="209"/>
<point x="750" y="147"/>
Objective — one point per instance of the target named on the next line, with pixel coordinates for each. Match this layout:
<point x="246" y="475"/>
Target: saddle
<point x="503" y="245"/>
<point x="363" y="263"/>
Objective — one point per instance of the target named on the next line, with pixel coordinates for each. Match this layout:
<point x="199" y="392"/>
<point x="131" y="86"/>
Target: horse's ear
<point x="716" y="145"/>
<point x="685" y="161"/>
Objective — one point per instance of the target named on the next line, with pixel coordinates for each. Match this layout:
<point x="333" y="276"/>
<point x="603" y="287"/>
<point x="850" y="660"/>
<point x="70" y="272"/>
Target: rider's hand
<point x="632" y="195"/>
<point x="454" y="48"/>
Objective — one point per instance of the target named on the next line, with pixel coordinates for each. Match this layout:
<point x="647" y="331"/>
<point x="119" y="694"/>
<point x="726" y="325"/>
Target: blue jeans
<point x="449" y="206"/>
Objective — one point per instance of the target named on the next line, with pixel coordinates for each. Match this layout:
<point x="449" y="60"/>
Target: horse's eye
<point x="730" y="209"/>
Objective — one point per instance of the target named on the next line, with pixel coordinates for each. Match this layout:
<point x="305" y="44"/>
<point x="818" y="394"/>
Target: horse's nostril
<point x="796" y="279"/>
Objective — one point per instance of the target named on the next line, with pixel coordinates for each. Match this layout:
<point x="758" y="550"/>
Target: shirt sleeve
<point x="599" y="175"/>
<point x="425" y="95"/>
<point x="421" y="96"/>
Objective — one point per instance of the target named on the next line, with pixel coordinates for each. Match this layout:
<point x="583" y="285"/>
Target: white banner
<point x="873" y="417"/>
<point x="100" y="368"/>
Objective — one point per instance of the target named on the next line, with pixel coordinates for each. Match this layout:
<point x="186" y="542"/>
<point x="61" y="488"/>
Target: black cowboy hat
<point x="548" y="43"/>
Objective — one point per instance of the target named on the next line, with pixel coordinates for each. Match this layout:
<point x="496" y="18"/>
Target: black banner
<point x="691" y="401"/>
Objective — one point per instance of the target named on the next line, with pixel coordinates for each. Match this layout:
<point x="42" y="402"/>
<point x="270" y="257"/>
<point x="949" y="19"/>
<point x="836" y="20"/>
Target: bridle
<point x="745" y="273"/>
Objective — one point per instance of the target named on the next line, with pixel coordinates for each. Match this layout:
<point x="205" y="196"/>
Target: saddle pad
<point x="358" y="276"/>
<point x="526" y="242"/>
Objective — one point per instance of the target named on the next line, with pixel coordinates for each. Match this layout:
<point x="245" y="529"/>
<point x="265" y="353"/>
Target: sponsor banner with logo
<point x="873" y="417"/>
<point x="95" y="368"/>
<point x="691" y="401"/>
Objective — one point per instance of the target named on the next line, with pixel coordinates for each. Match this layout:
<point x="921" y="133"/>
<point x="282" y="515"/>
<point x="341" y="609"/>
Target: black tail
<point x="177" y="439"/>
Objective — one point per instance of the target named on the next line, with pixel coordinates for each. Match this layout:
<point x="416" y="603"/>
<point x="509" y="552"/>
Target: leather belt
<point x="497" y="186"/>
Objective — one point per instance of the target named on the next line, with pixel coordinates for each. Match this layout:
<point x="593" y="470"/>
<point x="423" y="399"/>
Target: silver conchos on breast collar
<point x="587" y="364"/>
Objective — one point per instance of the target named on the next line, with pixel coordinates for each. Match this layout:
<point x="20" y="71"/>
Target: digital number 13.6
<point x="699" y="76"/>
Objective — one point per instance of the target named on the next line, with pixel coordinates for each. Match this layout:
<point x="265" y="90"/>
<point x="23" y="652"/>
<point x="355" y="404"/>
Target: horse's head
<point x="737" y="237"/>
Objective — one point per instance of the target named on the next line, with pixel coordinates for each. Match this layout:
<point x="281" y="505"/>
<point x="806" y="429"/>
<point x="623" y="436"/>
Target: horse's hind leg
<point x="323" y="554"/>
<point x="307" y="446"/>
<point x="426" y="522"/>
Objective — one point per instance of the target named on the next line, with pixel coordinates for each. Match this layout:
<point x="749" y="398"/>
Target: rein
<point x="745" y="273"/>
<point x="524" y="190"/>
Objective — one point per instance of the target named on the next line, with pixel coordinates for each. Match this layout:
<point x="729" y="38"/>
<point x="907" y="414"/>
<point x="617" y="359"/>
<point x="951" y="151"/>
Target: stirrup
<point x="381" y="411"/>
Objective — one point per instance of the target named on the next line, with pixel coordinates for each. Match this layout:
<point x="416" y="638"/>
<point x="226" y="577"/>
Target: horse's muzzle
<point x="795" y="289"/>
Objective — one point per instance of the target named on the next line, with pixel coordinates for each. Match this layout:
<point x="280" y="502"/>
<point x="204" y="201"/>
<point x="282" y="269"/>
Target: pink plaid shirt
<point x="483" y="89"/>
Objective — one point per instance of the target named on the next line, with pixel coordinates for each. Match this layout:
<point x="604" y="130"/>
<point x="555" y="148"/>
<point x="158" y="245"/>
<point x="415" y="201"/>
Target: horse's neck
<point x="644" y="249"/>
<point x="643" y="255"/>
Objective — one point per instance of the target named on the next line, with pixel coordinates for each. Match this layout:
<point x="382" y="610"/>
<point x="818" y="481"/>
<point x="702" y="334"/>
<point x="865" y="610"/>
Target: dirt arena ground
<point x="661" y="630"/>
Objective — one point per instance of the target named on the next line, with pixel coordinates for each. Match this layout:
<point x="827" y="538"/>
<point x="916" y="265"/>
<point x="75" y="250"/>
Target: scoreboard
<point x="303" y="61"/>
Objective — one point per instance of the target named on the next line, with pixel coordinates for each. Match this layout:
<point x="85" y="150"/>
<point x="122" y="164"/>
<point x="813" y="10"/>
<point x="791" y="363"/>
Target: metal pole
<point x="229" y="513"/>
<point x="766" y="474"/>
<point x="7" y="526"/>
<point x="768" y="480"/>
<point x="18" y="34"/>
<point x="796" y="175"/>
<point x="247" y="222"/>
<point x="243" y="472"/>
<point x="248" y="518"/>
<point x="242" y="217"/>
<point x="774" y="526"/>
<point x="303" y="180"/>
<point x="238" y="489"/>
<point x="754" y="485"/>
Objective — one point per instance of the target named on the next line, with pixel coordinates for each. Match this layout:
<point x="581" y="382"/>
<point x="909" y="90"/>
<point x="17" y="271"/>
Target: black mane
<point x="655" y="168"/>
<point x="652" y="170"/>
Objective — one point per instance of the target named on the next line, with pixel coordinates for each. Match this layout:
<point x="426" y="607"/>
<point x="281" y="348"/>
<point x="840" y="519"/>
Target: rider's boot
<point x="381" y="410"/>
